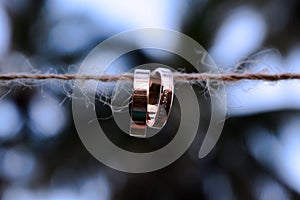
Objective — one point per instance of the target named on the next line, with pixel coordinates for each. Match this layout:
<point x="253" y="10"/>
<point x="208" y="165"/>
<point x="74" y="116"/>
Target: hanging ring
<point x="140" y="100"/>
<point x="160" y="98"/>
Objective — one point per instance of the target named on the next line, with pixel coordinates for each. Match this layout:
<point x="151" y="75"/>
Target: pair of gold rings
<point x="152" y="100"/>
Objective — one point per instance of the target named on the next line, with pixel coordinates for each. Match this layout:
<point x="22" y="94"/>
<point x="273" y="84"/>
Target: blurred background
<point x="258" y="154"/>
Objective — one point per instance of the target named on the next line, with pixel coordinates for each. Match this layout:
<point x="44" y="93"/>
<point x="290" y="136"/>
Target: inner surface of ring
<point x="154" y="98"/>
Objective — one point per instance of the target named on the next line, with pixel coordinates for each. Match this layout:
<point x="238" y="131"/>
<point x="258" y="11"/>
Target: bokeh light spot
<point x="17" y="164"/>
<point x="240" y="34"/>
<point x="47" y="117"/>
<point x="10" y="120"/>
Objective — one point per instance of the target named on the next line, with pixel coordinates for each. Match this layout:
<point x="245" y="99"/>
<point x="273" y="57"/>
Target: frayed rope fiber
<point x="177" y="77"/>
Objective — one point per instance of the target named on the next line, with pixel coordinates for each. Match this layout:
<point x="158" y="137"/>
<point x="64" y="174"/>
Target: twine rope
<point x="177" y="77"/>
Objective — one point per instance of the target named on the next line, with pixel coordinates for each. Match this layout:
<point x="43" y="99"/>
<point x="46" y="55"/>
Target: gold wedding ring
<point x="140" y="99"/>
<point x="161" y="97"/>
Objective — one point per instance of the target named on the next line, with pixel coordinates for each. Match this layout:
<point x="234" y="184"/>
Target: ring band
<point x="161" y="97"/>
<point x="140" y="100"/>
